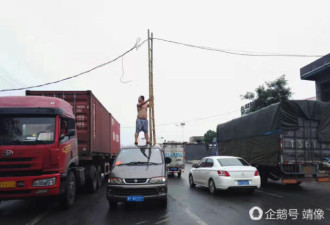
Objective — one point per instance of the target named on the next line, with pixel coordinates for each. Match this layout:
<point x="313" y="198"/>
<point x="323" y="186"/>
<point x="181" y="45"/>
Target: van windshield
<point x="19" y="130"/>
<point x="139" y="156"/>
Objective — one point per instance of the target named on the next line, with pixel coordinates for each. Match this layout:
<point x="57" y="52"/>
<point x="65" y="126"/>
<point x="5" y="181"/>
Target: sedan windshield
<point x="233" y="162"/>
<point x="139" y="156"/>
<point x="26" y="130"/>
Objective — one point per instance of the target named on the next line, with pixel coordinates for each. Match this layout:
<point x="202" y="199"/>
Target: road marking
<point x="279" y="196"/>
<point x="166" y="215"/>
<point x="38" y="218"/>
<point x="142" y="222"/>
<point x="195" y="217"/>
<point x="162" y="221"/>
<point x="190" y="213"/>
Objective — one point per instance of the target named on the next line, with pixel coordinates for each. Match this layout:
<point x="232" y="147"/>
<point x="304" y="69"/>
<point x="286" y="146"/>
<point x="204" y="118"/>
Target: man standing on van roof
<point x="141" y="121"/>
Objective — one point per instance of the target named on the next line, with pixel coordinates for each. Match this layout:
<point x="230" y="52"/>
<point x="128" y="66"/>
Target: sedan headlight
<point x="115" y="180"/>
<point x="44" y="182"/>
<point x="157" y="180"/>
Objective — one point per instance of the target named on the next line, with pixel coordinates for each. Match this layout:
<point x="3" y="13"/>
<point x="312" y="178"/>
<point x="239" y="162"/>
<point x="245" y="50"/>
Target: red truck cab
<point x="38" y="146"/>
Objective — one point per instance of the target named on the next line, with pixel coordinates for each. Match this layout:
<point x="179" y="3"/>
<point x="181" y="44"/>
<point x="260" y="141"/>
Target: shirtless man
<point x="141" y="121"/>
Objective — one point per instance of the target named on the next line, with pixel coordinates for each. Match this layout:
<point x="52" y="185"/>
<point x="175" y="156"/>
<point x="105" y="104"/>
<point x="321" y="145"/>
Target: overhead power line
<point x="136" y="46"/>
<point x="237" y="52"/>
<point x="191" y="120"/>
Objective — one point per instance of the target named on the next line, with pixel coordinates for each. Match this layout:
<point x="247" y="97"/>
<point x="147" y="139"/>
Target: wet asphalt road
<point x="185" y="206"/>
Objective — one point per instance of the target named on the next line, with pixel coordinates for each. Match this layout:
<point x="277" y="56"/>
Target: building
<point x="319" y="71"/>
<point x="196" y="139"/>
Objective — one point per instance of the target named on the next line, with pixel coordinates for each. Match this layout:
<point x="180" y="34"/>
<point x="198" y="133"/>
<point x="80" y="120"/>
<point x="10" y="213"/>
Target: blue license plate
<point x="243" y="182"/>
<point x="174" y="169"/>
<point x="135" y="198"/>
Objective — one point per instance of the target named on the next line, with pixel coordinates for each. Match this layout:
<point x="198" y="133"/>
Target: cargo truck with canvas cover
<point x="286" y="141"/>
<point x="176" y="152"/>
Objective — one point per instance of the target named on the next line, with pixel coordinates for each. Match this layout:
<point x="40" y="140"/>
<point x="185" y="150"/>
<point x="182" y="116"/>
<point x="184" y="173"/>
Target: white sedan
<point x="223" y="173"/>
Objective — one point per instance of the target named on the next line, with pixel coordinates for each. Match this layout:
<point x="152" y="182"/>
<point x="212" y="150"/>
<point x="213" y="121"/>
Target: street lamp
<point x="182" y="126"/>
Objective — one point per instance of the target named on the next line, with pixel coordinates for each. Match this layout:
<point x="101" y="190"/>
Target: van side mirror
<point x="71" y="132"/>
<point x="195" y="165"/>
<point x="168" y="160"/>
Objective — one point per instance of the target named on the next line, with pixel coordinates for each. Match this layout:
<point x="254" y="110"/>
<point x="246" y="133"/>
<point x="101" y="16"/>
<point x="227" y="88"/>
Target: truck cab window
<point x="66" y="125"/>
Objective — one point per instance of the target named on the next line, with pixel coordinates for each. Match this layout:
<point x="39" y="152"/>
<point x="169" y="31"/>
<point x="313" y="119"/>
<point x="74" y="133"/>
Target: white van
<point x="176" y="152"/>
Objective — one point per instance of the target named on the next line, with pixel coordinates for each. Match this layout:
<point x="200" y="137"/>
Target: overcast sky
<point x="42" y="41"/>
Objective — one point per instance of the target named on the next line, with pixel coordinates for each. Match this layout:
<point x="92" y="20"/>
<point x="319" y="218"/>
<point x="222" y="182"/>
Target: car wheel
<point x="191" y="181"/>
<point x="113" y="205"/>
<point x="212" y="187"/>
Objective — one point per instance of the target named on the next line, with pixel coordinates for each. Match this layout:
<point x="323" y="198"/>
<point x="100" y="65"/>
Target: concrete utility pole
<point x="152" y="128"/>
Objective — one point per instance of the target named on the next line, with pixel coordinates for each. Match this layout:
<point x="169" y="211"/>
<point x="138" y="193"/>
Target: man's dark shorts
<point x="141" y="125"/>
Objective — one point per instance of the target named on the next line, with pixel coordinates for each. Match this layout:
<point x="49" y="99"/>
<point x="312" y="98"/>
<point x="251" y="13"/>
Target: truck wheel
<point x="91" y="179"/>
<point x="179" y="174"/>
<point x="263" y="179"/>
<point x="191" y="181"/>
<point x="99" y="176"/>
<point x="113" y="205"/>
<point x="68" y="197"/>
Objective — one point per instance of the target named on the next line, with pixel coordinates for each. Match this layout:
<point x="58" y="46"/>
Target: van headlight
<point x="115" y="180"/>
<point x="157" y="180"/>
<point x="44" y="182"/>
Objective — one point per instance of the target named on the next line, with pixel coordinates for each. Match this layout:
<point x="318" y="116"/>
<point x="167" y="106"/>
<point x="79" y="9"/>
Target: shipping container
<point x="97" y="130"/>
<point x="115" y="136"/>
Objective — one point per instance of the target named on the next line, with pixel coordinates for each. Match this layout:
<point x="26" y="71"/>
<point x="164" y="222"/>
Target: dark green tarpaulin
<point x="279" y="116"/>
<point x="256" y="137"/>
<point x="261" y="150"/>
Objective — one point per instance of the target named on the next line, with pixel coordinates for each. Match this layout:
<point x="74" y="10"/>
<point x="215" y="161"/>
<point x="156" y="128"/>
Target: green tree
<point x="269" y="93"/>
<point x="208" y="136"/>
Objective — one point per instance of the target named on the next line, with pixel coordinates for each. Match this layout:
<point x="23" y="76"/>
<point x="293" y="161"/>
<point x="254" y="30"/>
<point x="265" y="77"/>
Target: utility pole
<point x="152" y="128"/>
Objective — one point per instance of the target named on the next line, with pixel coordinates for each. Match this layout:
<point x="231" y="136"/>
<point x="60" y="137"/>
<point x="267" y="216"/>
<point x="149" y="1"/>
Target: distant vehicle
<point x="286" y="141"/>
<point x="50" y="146"/>
<point x="177" y="153"/>
<point x="223" y="173"/>
<point x="138" y="174"/>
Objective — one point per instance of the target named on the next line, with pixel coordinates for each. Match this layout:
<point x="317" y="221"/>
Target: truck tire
<point x="99" y="176"/>
<point x="68" y="197"/>
<point x="91" y="183"/>
<point x="263" y="179"/>
<point x="179" y="174"/>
